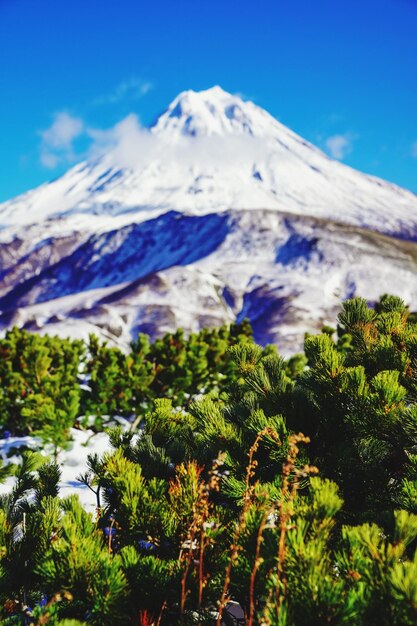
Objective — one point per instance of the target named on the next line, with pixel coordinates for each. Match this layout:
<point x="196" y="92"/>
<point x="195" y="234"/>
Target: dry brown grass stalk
<point x="241" y="525"/>
<point x="197" y="536"/>
<point x="290" y="484"/>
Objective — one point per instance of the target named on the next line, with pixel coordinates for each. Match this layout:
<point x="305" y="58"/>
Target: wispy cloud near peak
<point x="57" y="140"/>
<point x="339" y="146"/>
<point x="131" y="89"/>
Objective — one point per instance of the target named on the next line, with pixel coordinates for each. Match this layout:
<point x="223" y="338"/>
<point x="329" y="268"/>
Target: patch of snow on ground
<point x="72" y="461"/>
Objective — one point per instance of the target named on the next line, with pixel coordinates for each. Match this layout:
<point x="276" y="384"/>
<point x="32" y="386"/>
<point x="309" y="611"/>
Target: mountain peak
<point x="209" y="112"/>
<point x="212" y="92"/>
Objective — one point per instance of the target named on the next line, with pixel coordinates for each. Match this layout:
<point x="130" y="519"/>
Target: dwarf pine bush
<point x="288" y="487"/>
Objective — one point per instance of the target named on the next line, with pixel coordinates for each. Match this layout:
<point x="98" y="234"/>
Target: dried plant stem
<point x="201" y="513"/>
<point x="257" y="564"/>
<point x="190" y="538"/>
<point x="163" y="607"/>
<point x="232" y="559"/>
<point x="288" y="494"/>
<point x="247" y="500"/>
<point x="201" y="581"/>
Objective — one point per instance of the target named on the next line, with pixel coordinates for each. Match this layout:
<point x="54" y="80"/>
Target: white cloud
<point x="131" y="145"/>
<point x="48" y="159"/>
<point x="338" y="146"/>
<point x="57" y="140"/>
<point x="126" y="140"/>
<point x="414" y="150"/>
<point x="63" y="131"/>
<point x="132" y="89"/>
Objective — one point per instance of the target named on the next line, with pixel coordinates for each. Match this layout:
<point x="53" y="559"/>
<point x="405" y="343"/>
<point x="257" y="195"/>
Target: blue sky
<point x="343" y="74"/>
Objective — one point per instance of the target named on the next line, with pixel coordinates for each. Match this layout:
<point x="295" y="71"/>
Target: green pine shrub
<point x="215" y="495"/>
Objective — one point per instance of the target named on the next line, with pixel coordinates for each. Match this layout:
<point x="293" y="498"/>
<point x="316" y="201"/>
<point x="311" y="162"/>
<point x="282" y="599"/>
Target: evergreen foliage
<point x="39" y="390"/>
<point x="172" y="367"/>
<point x="358" y="404"/>
<point x="214" y="496"/>
<point x="47" y="382"/>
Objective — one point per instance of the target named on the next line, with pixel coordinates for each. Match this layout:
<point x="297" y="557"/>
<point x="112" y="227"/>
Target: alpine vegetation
<point x="274" y="491"/>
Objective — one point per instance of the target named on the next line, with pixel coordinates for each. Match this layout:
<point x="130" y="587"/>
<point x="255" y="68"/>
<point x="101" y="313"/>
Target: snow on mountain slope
<point x="123" y="255"/>
<point x="286" y="273"/>
<point x="209" y="151"/>
<point x="216" y="212"/>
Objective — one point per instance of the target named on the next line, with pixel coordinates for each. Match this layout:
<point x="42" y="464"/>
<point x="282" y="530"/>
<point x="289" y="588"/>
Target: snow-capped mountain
<point x="216" y="212"/>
